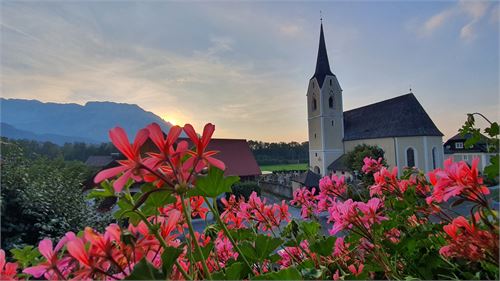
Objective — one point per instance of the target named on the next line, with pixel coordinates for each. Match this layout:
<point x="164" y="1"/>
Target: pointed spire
<point x="322" y="64"/>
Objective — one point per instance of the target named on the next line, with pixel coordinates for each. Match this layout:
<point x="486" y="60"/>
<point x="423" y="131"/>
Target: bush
<point x="354" y="160"/>
<point x="42" y="198"/>
<point x="244" y="189"/>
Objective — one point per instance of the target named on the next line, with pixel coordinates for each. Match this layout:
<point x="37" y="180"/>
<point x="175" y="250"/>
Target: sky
<point x="245" y="66"/>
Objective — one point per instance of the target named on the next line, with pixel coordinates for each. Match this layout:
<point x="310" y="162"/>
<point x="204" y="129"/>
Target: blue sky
<point x="245" y="66"/>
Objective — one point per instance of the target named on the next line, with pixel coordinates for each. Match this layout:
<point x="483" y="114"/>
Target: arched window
<point x="331" y="81"/>
<point x="314" y="104"/>
<point x="317" y="170"/>
<point x="410" y="157"/>
<point x="434" y="157"/>
<point x="330" y="102"/>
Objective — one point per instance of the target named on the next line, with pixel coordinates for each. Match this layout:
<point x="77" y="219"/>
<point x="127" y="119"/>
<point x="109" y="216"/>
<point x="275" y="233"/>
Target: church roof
<point x="401" y="116"/>
<point x="322" y="64"/>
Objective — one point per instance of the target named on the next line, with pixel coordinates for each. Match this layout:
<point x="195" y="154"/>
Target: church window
<point x="315" y="135"/>
<point x="331" y="82"/>
<point x="330" y="102"/>
<point x="434" y="157"/>
<point x="332" y="123"/>
<point x="317" y="170"/>
<point x="410" y="157"/>
<point x="316" y="154"/>
<point x="314" y="104"/>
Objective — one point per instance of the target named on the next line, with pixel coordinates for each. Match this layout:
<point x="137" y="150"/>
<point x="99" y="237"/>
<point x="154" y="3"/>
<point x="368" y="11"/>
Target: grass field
<point x="284" y="167"/>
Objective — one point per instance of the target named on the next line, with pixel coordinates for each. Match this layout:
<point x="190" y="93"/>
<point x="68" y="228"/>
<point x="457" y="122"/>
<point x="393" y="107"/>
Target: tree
<point x="354" y="160"/>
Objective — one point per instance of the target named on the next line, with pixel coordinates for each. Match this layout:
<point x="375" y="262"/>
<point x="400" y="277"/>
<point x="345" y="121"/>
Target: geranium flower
<point x="8" y="270"/>
<point x="201" y="145"/>
<point x="52" y="268"/>
<point x="131" y="168"/>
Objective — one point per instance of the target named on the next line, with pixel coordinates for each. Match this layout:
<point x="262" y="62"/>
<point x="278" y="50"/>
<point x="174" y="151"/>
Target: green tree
<point x="42" y="197"/>
<point x="354" y="160"/>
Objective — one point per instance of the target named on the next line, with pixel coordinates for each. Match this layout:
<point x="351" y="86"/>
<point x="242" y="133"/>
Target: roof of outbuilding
<point x="401" y="116"/>
<point x="99" y="161"/>
<point x="237" y="156"/>
<point x="339" y="164"/>
<point x="308" y="179"/>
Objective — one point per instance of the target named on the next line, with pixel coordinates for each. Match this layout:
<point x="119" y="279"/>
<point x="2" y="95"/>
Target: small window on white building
<point x="332" y="123"/>
<point x="459" y="145"/>
<point x="314" y="105"/>
<point x="330" y="102"/>
<point x="331" y="81"/>
<point x="410" y="157"/>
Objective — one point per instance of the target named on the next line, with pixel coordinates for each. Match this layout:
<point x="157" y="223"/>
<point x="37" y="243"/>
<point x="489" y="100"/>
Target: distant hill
<point x="59" y="123"/>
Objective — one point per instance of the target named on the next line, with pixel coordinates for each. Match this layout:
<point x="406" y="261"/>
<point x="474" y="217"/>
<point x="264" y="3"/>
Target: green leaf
<point x="170" y="254"/>
<point x="205" y="250"/>
<point x="126" y="211"/>
<point x="213" y="184"/>
<point x="265" y="245"/>
<point x="309" y="228"/>
<point x="107" y="190"/>
<point x="312" y="273"/>
<point x="26" y="256"/>
<point x="290" y="273"/>
<point x="145" y="271"/>
<point x="493" y="130"/>
<point x="492" y="170"/>
<point x="323" y="247"/>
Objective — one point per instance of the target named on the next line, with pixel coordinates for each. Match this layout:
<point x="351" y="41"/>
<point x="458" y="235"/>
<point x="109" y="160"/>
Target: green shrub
<point x="245" y="189"/>
<point x="42" y="198"/>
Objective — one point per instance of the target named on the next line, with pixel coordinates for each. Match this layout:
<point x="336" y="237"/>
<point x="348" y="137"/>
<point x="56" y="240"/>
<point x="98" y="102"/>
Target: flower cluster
<point x="255" y="212"/>
<point x="466" y="240"/>
<point x="371" y="166"/>
<point x="358" y="215"/>
<point x="457" y="179"/>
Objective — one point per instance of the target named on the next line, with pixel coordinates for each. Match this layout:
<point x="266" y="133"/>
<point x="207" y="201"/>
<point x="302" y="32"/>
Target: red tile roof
<point x="237" y="156"/>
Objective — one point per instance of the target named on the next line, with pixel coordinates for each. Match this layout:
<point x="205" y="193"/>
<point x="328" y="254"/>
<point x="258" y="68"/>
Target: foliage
<point x="493" y="132"/>
<point x="403" y="231"/>
<point x="42" y="198"/>
<point x="78" y="151"/>
<point x="354" y="160"/>
<point x="284" y="167"/>
<point x="281" y="153"/>
<point x="244" y="189"/>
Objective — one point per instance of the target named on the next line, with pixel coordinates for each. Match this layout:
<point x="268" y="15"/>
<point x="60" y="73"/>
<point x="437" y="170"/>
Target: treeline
<point x="272" y="153"/>
<point x="78" y="151"/>
<point x="266" y="153"/>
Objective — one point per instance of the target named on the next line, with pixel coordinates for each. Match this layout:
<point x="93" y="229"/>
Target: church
<point x="400" y="126"/>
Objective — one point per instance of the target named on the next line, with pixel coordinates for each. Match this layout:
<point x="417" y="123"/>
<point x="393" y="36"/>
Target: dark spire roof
<point x="322" y="64"/>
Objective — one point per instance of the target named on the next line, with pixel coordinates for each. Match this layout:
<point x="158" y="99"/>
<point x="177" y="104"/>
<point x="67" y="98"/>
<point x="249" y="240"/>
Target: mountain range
<point x="60" y="123"/>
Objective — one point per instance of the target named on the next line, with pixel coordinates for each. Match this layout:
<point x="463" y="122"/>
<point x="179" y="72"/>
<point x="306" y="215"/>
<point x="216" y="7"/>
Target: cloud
<point x="71" y="61"/>
<point x="470" y="11"/>
<point x="436" y="21"/>
<point x="290" y="29"/>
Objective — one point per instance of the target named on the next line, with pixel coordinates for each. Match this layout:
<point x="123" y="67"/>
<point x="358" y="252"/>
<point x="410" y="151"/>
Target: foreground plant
<point x="404" y="230"/>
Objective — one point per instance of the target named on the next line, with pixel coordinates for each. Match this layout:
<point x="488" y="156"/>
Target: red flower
<point x="201" y="145"/>
<point x="7" y="270"/>
<point x="132" y="166"/>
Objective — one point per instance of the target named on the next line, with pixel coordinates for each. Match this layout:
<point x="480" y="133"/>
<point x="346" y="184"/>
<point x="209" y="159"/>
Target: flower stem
<point x="193" y="237"/>
<point x="226" y="231"/>
<point x="155" y="232"/>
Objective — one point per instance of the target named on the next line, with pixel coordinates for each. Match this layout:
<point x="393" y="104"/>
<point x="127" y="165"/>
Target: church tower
<point x="324" y="114"/>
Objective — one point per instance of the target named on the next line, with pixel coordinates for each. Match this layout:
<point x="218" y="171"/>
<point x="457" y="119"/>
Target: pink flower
<point x="385" y="181"/>
<point x="201" y="145"/>
<point x="371" y="165"/>
<point x="457" y="179"/>
<point x="358" y="271"/>
<point x="304" y="198"/>
<point x="52" y="267"/>
<point x="131" y="168"/>
<point x="8" y="270"/>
